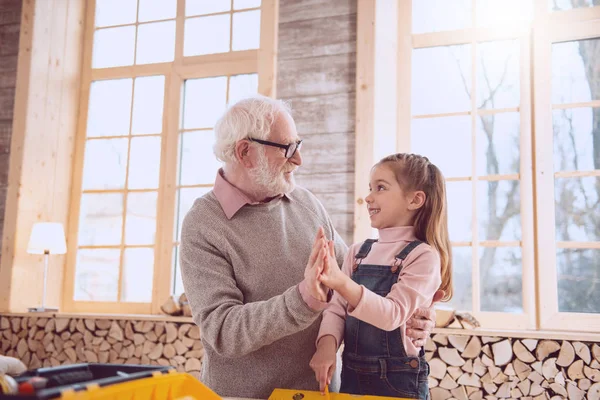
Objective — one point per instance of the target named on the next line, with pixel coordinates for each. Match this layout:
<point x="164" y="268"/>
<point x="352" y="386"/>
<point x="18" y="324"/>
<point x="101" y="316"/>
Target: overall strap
<point x="364" y="250"/>
<point x="404" y="253"/>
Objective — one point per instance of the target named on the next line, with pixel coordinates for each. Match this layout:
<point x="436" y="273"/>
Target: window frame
<point x="556" y="27"/>
<point x="261" y="61"/>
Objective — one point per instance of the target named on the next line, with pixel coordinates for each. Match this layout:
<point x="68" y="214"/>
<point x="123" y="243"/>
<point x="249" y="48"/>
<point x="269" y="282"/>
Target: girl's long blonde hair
<point x="414" y="172"/>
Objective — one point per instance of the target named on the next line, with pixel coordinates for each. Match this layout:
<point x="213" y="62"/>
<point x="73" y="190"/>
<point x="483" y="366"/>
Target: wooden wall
<point x="10" y="27"/>
<point x="46" y="101"/>
<point x="316" y="73"/>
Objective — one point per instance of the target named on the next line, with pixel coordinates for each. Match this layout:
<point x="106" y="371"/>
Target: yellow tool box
<point x="286" y="394"/>
<point x="135" y="382"/>
<point x="108" y="382"/>
<point x="170" y="386"/>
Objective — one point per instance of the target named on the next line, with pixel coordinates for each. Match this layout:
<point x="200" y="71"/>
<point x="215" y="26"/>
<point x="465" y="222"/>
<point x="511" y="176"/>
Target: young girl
<point x="382" y="282"/>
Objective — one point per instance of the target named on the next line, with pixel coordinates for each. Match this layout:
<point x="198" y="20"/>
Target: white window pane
<point x="156" y="43"/>
<point x="499" y="210"/>
<point x="441" y="90"/>
<point x="577" y="210"/>
<point x="242" y="86"/>
<point x="434" y="137"/>
<point x="462" y="270"/>
<point x="140" y="220"/>
<point x="97" y="275"/>
<point x="246" y="30"/>
<point x="144" y="163"/>
<point x="569" y="4"/>
<point x="498" y="144"/>
<point x="104" y="164"/>
<point x="460" y="210"/>
<point x="573" y="63"/>
<point x="243" y="4"/>
<point x="501" y="279"/>
<point x="177" y="288"/>
<point x="110" y="108"/>
<point x="206" y="35"/>
<point x="152" y="10"/>
<point x="577" y="279"/>
<point x="198" y="163"/>
<point x="200" y="7"/>
<point x="204" y="102"/>
<point x="504" y="12"/>
<point x="148" y="105"/>
<point x="115" y="12"/>
<point x="440" y="15"/>
<point x="100" y="219"/>
<point x="185" y="201"/>
<point x="498" y="75"/>
<point x="113" y="47"/>
<point x="138" y="272"/>
<point x="574" y="132"/>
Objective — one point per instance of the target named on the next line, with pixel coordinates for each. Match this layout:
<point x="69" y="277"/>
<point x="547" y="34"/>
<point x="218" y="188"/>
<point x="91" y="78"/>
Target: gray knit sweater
<point x="241" y="278"/>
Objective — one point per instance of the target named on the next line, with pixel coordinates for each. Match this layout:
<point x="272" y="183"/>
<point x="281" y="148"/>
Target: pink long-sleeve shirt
<point x="418" y="281"/>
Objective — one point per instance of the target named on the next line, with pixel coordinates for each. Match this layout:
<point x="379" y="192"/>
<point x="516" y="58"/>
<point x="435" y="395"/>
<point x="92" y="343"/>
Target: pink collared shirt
<point x="418" y="281"/>
<point x="230" y="197"/>
<point x="232" y="200"/>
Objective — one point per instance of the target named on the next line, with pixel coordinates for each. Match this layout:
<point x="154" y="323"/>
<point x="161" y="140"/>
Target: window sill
<point x="137" y="317"/>
<point x="523" y="334"/>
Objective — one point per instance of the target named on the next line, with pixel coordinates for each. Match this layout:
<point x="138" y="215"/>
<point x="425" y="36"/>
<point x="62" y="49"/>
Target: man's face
<point x="273" y="173"/>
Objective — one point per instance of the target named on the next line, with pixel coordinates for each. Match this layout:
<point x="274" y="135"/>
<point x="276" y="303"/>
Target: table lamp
<point x="46" y="238"/>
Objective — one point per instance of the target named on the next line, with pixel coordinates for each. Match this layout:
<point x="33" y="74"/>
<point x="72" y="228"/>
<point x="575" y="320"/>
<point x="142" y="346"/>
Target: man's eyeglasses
<point x="290" y="149"/>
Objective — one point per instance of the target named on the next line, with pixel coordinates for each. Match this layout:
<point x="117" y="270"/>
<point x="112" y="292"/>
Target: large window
<point x="470" y="114"/>
<point x="504" y="96"/>
<point x="156" y="76"/>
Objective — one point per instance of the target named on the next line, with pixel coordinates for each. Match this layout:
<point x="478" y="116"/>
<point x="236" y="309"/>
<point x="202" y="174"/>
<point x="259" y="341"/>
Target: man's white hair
<point x="248" y="118"/>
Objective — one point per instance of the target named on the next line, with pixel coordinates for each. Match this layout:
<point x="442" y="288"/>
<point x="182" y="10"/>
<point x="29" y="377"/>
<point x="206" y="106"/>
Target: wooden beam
<point x="163" y="271"/>
<point x="16" y="154"/>
<point x="365" y="109"/>
<point x="404" y="84"/>
<point x="267" y="54"/>
<point x="42" y="145"/>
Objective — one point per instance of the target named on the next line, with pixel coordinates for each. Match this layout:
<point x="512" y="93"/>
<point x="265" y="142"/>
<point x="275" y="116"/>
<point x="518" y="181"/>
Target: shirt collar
<point x="230" y="197"/>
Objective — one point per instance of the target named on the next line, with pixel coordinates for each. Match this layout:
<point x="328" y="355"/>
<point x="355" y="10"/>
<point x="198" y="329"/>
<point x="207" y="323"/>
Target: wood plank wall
<point x="316" y="73"/>
<point x="10" y="27"/>
<point x="42" y="144"/>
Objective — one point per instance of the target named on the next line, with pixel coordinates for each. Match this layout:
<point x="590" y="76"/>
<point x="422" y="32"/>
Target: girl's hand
<point x="324" y="360"/>
<point x="332" y="276"/>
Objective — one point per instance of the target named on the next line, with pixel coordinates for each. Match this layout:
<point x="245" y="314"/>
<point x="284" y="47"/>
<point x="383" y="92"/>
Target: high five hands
<point x="323" y="271"/>
<point x="314" y="267"/>
<point x="331" y="275"/>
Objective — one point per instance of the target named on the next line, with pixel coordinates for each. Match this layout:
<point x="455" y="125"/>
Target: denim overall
<point x="374" y="360"/>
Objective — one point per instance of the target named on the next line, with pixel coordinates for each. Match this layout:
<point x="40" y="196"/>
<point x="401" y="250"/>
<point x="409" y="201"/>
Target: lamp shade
<point x="47" y="236"/>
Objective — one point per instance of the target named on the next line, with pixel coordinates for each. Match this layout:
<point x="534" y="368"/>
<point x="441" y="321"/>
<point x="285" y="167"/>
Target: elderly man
<point x="248" y="256"/>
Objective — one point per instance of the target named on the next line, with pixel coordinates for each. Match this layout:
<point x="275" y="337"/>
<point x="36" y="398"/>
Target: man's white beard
<point x="272" y="182"/>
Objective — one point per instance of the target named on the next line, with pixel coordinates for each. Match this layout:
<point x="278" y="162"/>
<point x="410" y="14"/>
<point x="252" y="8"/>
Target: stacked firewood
<point x="470" y="367"/>
<point x="462" y="366"/>
<point x="54" y="341"/>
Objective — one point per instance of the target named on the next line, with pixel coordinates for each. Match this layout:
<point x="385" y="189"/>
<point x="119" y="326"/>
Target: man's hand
<point x="315" y="266"/>
<point x="324" y="360"/>
<point x="422" y="322"/>
<point x="332" y="276"/>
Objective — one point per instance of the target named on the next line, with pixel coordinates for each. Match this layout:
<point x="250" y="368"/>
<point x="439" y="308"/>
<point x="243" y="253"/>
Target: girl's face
<point x="388" y="204"/>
